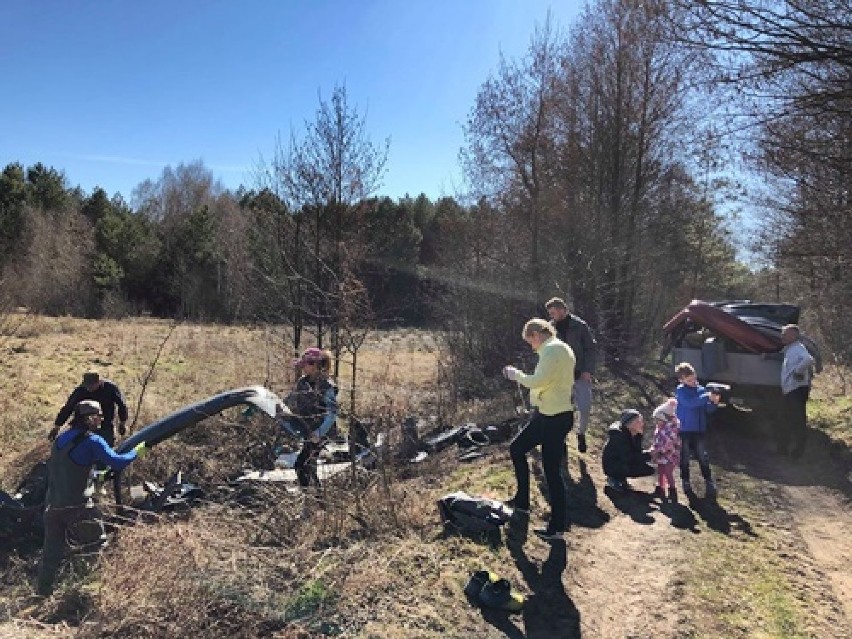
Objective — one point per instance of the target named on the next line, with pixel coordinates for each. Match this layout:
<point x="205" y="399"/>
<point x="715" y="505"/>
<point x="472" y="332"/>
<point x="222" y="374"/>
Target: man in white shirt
<point x="796" y="375"/>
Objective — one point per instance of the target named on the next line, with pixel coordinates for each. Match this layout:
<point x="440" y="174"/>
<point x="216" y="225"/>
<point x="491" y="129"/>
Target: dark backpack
<point x="476" y="517"/>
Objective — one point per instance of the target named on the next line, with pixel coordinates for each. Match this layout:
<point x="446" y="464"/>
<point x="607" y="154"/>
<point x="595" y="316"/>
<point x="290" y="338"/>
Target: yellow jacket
<point x="552" y="382"/>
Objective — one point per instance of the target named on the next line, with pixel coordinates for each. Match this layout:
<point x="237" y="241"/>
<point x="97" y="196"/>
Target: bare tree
<point x="510" y="142"/>
<point x="584" y="150"/>
<point x="53" y="273"/>
<point x="790" y="63"/>
<point x="321" y="175"/>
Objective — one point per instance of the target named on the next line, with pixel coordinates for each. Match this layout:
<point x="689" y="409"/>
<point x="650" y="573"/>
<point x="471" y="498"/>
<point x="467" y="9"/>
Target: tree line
<point x="604" y="165"/>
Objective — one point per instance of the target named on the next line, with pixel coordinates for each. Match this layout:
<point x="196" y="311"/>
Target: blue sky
<point x="112" y="92"/>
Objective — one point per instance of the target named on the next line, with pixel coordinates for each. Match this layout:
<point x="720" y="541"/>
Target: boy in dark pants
<point x="694" y="404"/>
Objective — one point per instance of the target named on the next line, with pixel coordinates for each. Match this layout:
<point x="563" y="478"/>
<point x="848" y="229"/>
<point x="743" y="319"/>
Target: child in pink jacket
<point x="666" y="450"/>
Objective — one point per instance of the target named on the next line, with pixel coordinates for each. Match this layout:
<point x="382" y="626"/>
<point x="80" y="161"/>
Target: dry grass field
<point x="769" y="559"/>
<point x="43" y="362"/>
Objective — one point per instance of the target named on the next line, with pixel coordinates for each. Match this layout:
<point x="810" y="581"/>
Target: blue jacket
<point x="693" y="406"/>
<point x="93" y="449"/>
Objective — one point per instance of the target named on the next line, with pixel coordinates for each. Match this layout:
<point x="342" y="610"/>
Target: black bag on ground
<point x="475" y="517"/>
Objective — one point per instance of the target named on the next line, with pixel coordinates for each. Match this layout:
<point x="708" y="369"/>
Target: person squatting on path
<point x="107" y="394"/>
<point x="694" y="404"/>
<point x="623" y="455"/>
<point x="69" y="509"/>
<point x="313" y="403"/>
<point x="796" y="376"/>
<point x="552" y="417"/>
<point x="665" y="452"/>
<point x="572" y="330"/>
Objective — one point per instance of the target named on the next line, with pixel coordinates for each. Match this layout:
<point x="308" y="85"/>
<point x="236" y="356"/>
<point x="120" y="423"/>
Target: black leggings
<point x="549" y="431"/>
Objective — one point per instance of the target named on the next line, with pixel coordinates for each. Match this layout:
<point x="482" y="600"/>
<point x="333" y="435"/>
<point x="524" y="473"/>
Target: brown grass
<point x="244" y="564"/>
<point x="370" y="561"/>
<point x="45" y="359"/>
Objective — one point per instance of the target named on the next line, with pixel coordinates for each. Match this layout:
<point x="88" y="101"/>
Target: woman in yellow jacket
<point x="550" y="394"/>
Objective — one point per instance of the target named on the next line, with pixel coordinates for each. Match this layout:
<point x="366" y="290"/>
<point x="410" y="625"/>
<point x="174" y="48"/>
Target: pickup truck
<point x="736" y="343"/>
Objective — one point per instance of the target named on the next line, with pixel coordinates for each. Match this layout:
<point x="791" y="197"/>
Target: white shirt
<point x="796" y="368"/>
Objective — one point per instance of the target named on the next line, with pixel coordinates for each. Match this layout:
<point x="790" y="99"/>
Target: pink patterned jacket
<point x="666" y="449"/>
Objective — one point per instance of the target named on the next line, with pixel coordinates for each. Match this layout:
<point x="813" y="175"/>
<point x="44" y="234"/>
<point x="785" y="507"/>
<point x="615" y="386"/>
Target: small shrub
<point x="308" y="599"/>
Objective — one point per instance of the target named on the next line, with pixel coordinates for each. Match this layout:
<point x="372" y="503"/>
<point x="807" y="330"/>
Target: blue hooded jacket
<point x="693" y="406"/>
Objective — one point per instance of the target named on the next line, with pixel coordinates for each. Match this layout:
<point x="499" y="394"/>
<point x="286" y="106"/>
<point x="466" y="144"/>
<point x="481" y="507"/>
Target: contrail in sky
<point x="118" y="159"/>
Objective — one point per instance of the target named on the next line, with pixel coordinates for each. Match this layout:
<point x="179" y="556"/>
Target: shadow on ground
<point x="636" y="504"/>
<point x="680" y="516"/>
<point x="745" y="443"/>
<point x="717" y="518"/>
<point x="549" y="612"/>
<point x="582" y="498"/>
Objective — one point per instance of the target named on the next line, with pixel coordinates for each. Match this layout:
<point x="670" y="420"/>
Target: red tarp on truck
<point x="725" y="325"/>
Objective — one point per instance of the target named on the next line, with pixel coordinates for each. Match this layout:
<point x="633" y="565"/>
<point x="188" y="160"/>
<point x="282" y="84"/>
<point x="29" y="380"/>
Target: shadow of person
<point x="502" y="621"/>
<point x="582" y="499"/>
<point x="517" y="529"/>
<point x="636" y="504"/>
<point x="549" y="612"/>
<point x="680" y="516"/>
<point x="717" y="518"/>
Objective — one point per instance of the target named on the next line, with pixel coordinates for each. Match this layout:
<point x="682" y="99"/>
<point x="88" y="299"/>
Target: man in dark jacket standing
<point x="572" y="330"/>
<point x="105" y="393"/>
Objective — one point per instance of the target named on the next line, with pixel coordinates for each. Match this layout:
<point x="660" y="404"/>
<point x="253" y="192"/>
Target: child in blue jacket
<point x="694" y="404"/>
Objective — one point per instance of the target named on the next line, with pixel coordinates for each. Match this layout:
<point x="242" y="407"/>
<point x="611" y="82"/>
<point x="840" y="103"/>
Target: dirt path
<point x="825" y="524"/>
<point x="817" y="499"/>
<point x="628" y="555"/>
<point x="639" y="567"/>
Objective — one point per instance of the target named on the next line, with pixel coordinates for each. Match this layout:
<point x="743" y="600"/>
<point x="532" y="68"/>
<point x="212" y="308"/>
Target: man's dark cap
<point x="628" y="416"/>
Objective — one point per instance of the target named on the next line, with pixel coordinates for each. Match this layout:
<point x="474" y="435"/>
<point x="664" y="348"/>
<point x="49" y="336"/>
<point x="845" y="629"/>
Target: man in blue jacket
<point x="69" y="509"/>
<point x="694" y="404"/>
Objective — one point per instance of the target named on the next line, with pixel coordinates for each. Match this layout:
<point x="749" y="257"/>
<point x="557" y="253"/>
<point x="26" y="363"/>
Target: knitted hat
<point x="312" y="355"/>
<point x="665" y="411"/>
<point x="628" y="415"/>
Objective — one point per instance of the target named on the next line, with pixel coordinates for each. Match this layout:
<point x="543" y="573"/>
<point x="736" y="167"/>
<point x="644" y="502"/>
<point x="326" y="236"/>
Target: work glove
<point x="141" y="449"/>
<point x="511" y="373"/>
<point x="122" y="428"/>
<point x="53" y="433"/>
